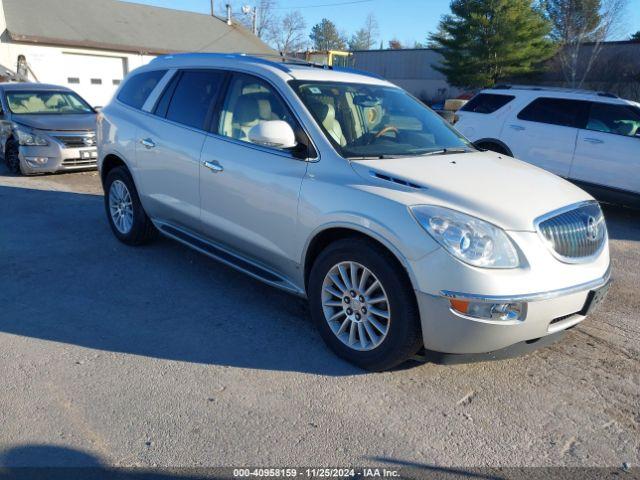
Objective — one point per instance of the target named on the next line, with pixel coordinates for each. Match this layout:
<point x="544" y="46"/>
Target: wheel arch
<point x="328" y="234"/>
<point x="495" y="141"/>
<point x="110" y="162"/>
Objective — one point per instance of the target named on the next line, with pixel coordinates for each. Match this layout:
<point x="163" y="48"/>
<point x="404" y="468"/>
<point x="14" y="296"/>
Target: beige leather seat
<point x="246" y="115"/>
<point x="326" y="113"/>
<point x="34" y="105"/>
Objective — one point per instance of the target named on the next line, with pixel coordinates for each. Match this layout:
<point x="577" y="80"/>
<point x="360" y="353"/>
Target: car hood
<point x="504" y="191"/>
<point x="70" y="122"/>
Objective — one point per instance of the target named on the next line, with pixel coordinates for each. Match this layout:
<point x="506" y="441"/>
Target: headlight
<point x="467" y="238"/>
<point x="30" y="139"/>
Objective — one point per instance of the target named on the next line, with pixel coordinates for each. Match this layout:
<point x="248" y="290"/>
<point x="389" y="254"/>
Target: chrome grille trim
<point x="76" y="140"/>
<point x="566" y="232"/>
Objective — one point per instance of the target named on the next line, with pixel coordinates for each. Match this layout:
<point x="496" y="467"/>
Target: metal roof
<point x="124" y="27"/>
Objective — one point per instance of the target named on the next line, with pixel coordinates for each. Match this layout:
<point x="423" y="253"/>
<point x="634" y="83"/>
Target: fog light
<point x="489" y="311"/>
<point x="36" y="161"/>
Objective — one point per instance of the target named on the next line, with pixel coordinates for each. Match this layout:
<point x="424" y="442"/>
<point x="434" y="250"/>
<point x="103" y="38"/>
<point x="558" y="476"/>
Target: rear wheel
<point x="364" y="305"/>
<point x="127" y="218"/>
<point x="12" y="156"/>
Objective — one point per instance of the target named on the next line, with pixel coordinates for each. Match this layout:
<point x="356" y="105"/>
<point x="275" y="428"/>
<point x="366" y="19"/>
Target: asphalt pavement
<point x="159" y="356"/>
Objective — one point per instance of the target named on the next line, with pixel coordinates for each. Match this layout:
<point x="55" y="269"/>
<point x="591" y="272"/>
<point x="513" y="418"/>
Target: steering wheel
<point x="388" y="128"/>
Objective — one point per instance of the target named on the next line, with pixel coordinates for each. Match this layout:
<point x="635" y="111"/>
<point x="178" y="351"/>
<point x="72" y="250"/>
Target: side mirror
<point x="273" y="133"/>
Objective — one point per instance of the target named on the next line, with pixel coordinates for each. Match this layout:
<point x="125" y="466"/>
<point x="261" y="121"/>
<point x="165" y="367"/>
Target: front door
<point x="249" y="193"/>
<point x="608" y="150"/>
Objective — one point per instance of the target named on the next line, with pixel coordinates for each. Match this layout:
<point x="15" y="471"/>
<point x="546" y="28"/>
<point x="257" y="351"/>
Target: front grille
<point x="575" y="234"/>
<point x="77" y="141"/>
<point x="88" y="162"/>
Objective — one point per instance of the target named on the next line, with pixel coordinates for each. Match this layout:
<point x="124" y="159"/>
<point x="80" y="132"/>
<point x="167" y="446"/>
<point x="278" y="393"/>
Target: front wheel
<point x="12" y="156"/>
<point x="127" y="218"/>
<point x="363" y="304"/>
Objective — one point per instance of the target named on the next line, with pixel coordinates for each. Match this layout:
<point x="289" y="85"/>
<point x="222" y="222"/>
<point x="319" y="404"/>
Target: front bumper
<point x="547" y="313"/>
<point x="554" y="295"/>
<point x="56" y="157"/>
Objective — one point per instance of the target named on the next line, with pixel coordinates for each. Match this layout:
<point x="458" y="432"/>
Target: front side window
<point x="249" y="102"/>
<point x="137" y="88"/>
<point x="364" y="121"/>
<point x="556" y="111"/>
<point x="46" y="102"/>
<point x="194" y="97"/>
<point x="616" y="119"/>
<point x="486" y="103"/>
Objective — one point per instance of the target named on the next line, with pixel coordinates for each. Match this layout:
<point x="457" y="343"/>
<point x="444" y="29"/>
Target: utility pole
<point x="213" y="10"/>
<point x="247" y="10"/>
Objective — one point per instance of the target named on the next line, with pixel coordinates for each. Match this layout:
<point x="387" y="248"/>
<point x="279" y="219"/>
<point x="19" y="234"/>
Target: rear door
<point x="482" y="117"/>
<point x="608" y="149"/>
<point x="544" y="133"/>
<point x="170" y="141"/>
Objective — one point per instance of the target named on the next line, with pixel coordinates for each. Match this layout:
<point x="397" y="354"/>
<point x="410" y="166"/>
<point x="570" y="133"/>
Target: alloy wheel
<point x="121" y="207"/>
<point x="356" y="306"/>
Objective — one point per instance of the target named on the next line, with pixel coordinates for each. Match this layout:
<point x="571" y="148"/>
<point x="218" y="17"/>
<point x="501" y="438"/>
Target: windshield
<point x="365" y="121"/>
<point x="43" y="102"/>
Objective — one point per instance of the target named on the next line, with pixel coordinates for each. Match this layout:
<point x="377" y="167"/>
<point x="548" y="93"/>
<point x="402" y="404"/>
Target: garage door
<point x="94" y="77"/>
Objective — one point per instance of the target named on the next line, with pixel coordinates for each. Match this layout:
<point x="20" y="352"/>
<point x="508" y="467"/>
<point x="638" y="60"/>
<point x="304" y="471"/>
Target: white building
<point x="90" y="45"/>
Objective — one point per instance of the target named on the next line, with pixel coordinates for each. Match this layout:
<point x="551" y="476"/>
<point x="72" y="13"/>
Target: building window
<point x="73" y="80"/>
<point x="96" y="81"/>
<point x="116" y="81"/>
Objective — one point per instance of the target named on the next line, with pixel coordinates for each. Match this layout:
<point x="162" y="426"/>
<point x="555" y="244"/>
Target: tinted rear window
<point x="556" y="111"/>
<point x="194" y="97"/>
<point x="136" y="90"/>
<point x="487" y="103"/>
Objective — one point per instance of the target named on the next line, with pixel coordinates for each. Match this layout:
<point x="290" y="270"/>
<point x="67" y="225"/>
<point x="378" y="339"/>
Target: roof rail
<point x="507" y="86"/>
<point x="279" y="61"/>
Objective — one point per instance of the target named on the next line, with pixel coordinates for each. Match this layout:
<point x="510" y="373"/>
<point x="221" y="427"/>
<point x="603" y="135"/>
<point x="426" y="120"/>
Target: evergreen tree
<point x="325" y="36"/>
<point x="484" y="41"/>
<point x="636" y="36"/>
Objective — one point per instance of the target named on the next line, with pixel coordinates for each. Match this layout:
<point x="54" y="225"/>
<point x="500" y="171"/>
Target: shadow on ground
<point x="622" y="223"/>
<point x="51" y="462"/>
<point x="65" y="278"/>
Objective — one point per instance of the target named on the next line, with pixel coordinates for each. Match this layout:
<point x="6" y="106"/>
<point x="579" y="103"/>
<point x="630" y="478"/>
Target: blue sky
<point x="406" y="20"/>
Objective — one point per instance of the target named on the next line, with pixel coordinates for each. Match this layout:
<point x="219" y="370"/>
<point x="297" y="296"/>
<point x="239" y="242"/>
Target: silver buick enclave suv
<point x="342" y="188"/>
<point x="45" y="129"/>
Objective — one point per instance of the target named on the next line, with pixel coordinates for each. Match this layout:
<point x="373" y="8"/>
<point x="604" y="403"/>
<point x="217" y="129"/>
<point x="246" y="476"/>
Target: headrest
<point x="247" y="110"/>
<point x="324" y="111"/>
<point x="264" y="108"/>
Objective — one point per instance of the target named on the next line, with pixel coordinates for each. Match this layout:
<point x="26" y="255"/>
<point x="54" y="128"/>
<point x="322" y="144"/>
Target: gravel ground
<point x="159" y="356"/>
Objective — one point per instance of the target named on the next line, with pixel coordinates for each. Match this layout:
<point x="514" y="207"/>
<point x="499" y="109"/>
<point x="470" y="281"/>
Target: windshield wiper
<point x="447" y="151"/>
<point x="374" y="157"/>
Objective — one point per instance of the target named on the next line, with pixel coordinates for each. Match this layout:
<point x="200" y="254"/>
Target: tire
<point x="403" y="336"/>
<point x="494" y="147"/>
<point x="12" y="157"/>
<point x="136" y="228"/>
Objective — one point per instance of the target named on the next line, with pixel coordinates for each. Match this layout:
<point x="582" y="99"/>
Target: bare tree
<point x="394" y="44"/>
<point x="289" y="34"/>
<point x="365" y="38"/>
<point x="579" y="28"/>
<point x="266" y="17"/>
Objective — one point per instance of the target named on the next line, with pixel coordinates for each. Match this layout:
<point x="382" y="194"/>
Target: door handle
<point x="593" y="140"/>
<point x="147" y="143"/>
<point x="215" y="167"/>
<point x="516" y="127"/>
